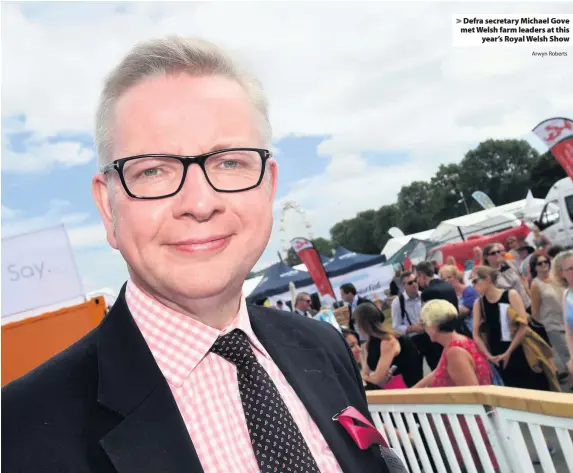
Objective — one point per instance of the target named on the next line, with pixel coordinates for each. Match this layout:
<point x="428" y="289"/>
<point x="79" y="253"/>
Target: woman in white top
<point x="508" y="277"/>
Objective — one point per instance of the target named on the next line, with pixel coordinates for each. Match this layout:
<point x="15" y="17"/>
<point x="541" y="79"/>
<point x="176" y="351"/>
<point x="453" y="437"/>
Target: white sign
<point x="370" y="282"/>
<point x="38" y="270"/>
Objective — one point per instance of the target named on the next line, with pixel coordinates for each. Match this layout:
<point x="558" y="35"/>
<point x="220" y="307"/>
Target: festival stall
<point x="370" y="282"/>
<point x="345" y="261"/>
<point x="275" y="282"/>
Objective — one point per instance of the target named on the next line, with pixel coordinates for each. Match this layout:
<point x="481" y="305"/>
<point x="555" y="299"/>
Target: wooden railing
<point x="477" y="429"/>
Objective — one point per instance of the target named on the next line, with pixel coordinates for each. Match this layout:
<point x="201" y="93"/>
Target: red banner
<point x="557" y="134"/>
<point x="563" y="152"/>
<point x="311" y="259"/>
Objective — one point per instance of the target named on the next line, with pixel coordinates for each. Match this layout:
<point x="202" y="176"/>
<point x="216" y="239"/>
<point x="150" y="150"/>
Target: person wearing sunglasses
<point x="500" y="328"/>
<point x="563" y="275"/>
<point x="170" y="381"/>
<point x="547" y="307"/>
<point x="303" y="304"/>
<point x="508" y="278"/>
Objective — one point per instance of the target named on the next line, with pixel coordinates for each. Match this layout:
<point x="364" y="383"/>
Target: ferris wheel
<point x="290" y="207"/>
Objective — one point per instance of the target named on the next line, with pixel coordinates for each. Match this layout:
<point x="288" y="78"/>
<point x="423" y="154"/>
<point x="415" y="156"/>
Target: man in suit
<point x="433" y="287"/>
<point x="302" y="305"/>
<point x="349" y="295"/>
<point x="172" y="378"/>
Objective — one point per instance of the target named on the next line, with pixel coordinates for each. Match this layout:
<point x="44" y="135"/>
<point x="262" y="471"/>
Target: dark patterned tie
<point x="277" y="442"/>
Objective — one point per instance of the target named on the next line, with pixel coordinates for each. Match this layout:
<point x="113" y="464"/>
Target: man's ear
<point x="272" y="175"/>
<point x="103" y="199"/>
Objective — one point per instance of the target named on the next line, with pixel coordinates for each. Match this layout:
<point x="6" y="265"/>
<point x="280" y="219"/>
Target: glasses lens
<point x="411" y="283"/>
<point x="234" y="170"/>
<point x="153" y="176"/>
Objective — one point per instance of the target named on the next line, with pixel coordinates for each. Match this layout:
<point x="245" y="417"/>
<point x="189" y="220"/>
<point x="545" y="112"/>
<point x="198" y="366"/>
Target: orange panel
<point x="29" y="342"/>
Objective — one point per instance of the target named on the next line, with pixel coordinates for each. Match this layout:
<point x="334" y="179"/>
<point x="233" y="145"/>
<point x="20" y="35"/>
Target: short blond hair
<point x="173" y="55"/>
<point x="453" y="270"/>
<point x="437" y="311"/>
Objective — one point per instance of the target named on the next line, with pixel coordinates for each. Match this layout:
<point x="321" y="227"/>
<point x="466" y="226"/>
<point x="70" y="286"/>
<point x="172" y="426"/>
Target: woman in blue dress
<point x="563" y="273"/>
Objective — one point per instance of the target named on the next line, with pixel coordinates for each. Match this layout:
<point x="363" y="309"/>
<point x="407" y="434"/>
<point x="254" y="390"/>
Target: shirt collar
<point x="178" y="342"/>
<point x="354" y="302"/>
<point x="408" y="298"/>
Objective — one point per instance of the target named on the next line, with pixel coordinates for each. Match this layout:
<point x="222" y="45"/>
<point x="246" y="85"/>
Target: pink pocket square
<point x="364" y="435"/>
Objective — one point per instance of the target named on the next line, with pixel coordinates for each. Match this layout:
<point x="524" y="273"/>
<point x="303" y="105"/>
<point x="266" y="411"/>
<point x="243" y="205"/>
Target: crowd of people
<point x="515" y="312"/>
<point x="508" y="322"/>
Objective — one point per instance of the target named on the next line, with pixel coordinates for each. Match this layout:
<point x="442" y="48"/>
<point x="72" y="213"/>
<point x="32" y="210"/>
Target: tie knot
<point x="235" y="347"/>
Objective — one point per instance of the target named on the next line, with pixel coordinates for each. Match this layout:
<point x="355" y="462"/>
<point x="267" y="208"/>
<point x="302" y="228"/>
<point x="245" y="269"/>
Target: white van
<point x="556" y="219"/>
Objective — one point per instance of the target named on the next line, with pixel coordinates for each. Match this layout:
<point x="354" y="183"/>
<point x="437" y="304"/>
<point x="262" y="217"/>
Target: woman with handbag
<point x="384" y="349"/>
<point x="500" y="316"/>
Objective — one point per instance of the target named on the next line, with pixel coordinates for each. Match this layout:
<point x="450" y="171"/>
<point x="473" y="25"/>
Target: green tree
<point x="416" y="206"/>
<point x="386" y="217"/>
<point x="500" y="168"/>
<point x="323" y="246"/>
<point x="545" y="172"/>
<point x="503" y="169"/>
<point x="357" y="234"/>
<point x="292" y="258"/>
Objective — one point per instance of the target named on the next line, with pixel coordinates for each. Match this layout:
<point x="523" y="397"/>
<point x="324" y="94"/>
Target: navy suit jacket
<point x="103" y="405"/>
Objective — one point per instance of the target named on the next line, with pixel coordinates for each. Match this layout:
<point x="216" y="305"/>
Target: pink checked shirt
<point x="205" y="386"/>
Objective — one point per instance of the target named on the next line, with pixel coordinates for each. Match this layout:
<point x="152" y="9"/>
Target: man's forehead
<point x="184" y="115"/>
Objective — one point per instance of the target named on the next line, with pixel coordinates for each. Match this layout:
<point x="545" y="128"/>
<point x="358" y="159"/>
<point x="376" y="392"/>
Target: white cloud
<point x="9" y="213"/>
<point x="371" y="76"/>
<point x="41" y="155"/>
<point x="88" y="236"/>
<point x="59" y="211"/>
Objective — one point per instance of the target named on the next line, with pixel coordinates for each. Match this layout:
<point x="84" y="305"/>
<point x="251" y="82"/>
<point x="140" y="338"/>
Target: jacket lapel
<point x="308" y="371"/>
<point x="151" y="436"/>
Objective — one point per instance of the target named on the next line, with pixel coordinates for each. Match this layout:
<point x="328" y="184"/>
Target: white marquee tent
<point x="483" y="222"/>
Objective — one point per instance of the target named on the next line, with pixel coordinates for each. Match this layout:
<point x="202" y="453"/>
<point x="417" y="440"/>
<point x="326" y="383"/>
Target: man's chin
<point x="184" y="292"/>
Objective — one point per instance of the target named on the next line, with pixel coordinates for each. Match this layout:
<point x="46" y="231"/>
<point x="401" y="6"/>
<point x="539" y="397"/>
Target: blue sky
<point x="365" y="98"/>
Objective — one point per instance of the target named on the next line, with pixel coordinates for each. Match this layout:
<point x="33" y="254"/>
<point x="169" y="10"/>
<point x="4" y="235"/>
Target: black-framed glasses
<point x="494" y="253"/>
<point x="411" y="283"/>
<point x="157" y="176"/>
<point x="543" y="262"/>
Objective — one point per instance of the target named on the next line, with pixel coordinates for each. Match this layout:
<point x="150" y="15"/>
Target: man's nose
<point x="197" y="198"/>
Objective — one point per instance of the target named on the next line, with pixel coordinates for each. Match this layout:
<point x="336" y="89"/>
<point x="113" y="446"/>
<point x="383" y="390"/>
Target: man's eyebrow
<point x="227" y="144"/>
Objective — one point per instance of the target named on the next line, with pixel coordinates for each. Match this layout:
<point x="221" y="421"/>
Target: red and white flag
<point x="311" y="259"/>
<point x="557" y="134"/>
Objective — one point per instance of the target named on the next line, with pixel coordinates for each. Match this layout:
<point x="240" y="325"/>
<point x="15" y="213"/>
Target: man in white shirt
<point x="406" y="315"/>
<point x="407" y="321"/>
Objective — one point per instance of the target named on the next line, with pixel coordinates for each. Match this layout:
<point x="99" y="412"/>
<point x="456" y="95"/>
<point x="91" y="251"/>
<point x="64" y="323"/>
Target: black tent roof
<point x="345" y="261"/>
<point x="276" y="279"/>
